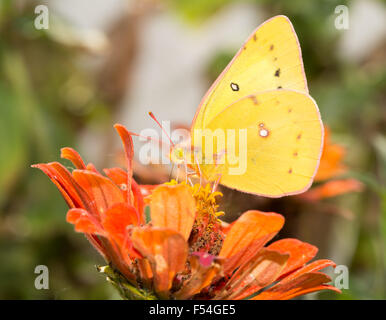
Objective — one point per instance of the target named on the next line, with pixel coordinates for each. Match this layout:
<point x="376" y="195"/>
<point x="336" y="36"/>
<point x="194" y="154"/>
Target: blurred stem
<point x="383" y="236"/>
<point x="17" y="75"/>
<point x="126" y="290"/>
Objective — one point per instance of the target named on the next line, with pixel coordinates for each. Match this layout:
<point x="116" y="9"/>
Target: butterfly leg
<point x="198" y="168"/>
<point x="171" y="172"/>
<point x="217" y="182"/>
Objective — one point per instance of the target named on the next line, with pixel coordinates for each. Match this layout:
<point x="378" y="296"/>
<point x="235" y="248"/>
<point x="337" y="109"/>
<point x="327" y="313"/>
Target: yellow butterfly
<point x="261" y="97"/>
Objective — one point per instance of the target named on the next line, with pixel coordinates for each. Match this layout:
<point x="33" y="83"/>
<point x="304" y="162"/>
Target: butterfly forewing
<point x="270" y="59"/>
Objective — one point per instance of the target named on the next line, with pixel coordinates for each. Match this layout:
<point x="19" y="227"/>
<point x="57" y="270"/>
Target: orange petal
<point x="300" y="282"/>
<point x="147" y="189"/>
<point x="71" y="200"/>
<point x="202" y="275"/>
<point x="73" y="156"/>
<point x="91" y="167"/>
<point x="312" y="267"/>
<point x="74" y="195"/>
<point x="116" y="220"/>
<point x="330" y="163"/>
<point x="173" y="207"/>
<point x="101" y="190"/>
<point x="247" y="236"/>
<point x="138" y="200"/>
<point x="258" y="273"/>
<point x="225" y="227"/>
<point x="127" y="141"/>
<point x="74" y="214"/>
<point x="300" y="253"/>
<point x="332" y="189"/>
<point x="166" y="251"/>
<point x="119" y="177"/>
<point x="84" y="222"/>
<point x="146" y="274"/>
<point x="306" y="283"/>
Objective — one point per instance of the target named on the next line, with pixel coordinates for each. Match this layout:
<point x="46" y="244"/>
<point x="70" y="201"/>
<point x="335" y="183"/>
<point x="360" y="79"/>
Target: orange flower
<point x="101" y="207"/>
<point x="331" y="167"/>
<point x="184" y="251"/>
<point x="331" y="161"/>
<point x="332" y="188"/>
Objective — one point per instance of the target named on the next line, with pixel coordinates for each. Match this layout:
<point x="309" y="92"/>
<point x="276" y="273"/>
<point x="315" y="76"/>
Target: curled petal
<point x="74" y="195"/>
<point x="247" y="236"/>
<point x="259" y="272"/>
<point x="73" y="156"/>
<point x="306" y="283"/>
<point x="312" y="267"/>
<point x="119" y="177"/>
<point x="166" y="251"/>
<point x="127" y="141"/>
<point x="225" y="227"/>
<point x="91" y="167"/>
<point x="138" y="200"/>
<point x="299" y="253"/>
<point x="84" y="222"/>
<point x="173" y="207"/>
<point x="332" y="189"/>
<point x="71" y="200"/>
<point x="146" y="274"/>
<point x="101" y="190"/>
<point x="147" y="189"/>
<point x="331" y="162"/>
<point x="301" y="281"/>
<point x="202" y="274"/>
<point x="116" y="220"/>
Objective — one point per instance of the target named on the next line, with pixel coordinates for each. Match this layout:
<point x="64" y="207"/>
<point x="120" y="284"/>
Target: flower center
<point x="206" y="235"/>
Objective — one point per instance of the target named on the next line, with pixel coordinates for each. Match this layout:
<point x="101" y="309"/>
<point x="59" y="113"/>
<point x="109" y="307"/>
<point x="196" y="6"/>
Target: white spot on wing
<point x="263" y="133"/>
<point x="235" y="86"/>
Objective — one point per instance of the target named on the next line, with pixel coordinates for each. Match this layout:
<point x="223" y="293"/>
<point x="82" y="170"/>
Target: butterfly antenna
<point x="198" y="168"/>
<point x="171" y="172"/>
<point x="148" y="138"/>
<point x="217" y="182"/>
<point x="151" y="114"/>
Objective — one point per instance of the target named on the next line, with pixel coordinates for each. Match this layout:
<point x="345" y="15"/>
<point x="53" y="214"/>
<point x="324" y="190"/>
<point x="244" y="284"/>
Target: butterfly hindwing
<point x="284" y="139"/>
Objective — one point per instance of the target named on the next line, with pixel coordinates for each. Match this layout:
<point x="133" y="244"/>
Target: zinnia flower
<point x="331" y="167"/>
<point x="181" y="250"/>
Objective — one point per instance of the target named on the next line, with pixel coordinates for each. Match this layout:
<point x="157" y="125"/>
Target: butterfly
<point x="262" y="97"/>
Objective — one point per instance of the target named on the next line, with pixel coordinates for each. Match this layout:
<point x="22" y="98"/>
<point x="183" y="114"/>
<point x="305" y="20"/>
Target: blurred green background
<point x="60" y="87"/>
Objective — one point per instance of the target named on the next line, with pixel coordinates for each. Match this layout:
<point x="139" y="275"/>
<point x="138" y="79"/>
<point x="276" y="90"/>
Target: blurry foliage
<point x="43" y="95"/>
<point x="196" y="11"/>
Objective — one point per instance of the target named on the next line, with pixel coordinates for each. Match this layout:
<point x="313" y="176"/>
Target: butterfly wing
<point x="284" y="137"/>
<point x="270" y="59"/>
